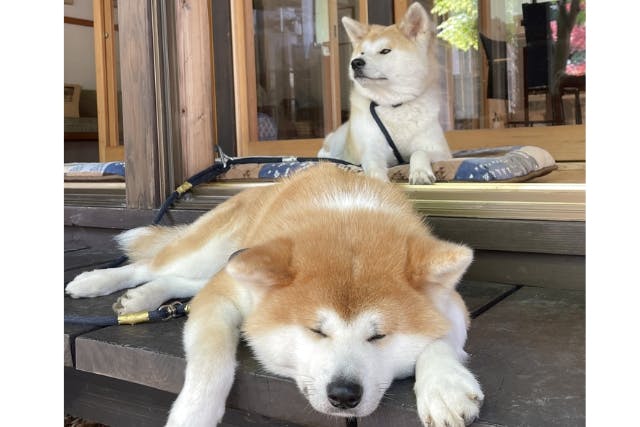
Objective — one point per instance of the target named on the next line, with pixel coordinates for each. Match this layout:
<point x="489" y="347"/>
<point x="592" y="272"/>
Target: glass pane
<point x="508" y="63"/>
<point x="81" y="108"/>
<point x="294" y="68"/>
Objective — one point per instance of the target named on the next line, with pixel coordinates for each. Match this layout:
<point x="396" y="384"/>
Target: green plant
<point x="460" y="26"/>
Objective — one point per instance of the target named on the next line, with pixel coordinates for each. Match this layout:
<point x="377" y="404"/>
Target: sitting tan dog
<point x="396" y="69"/>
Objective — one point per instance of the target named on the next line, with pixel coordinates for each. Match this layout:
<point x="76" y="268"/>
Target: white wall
<point x="79" y="58"/>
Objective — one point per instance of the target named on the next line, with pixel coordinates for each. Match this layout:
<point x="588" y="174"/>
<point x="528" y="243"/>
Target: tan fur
<point x="324" y="249"/>
<point x="224" y="218"/>
<point x="306" y="257"/>
<point x="311" y="258"/>
<point x="151" y="240"/>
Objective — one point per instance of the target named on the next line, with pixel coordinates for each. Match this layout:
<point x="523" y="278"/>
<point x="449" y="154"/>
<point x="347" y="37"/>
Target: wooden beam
<point x="484" y="27"/>
<point x="78" y="21"/>
<point x="399" y="9"/>
<point x="195" y="82"/>
<point x="363" y="13"/>
<point x="106" y="82"/>
<point x="82" y="22"/>
<point x="243" y="67"/>
<point x="334" y="119"/>
<point x="138" y="104"/>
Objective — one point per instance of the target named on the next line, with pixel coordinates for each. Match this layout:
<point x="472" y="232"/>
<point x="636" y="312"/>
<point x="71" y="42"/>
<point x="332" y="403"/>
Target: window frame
<point x="154" y="163"/>
<point x="245" y="88"/>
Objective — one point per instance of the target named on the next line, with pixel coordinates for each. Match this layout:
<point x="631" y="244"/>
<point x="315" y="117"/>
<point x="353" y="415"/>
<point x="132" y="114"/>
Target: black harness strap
<point x="385" y="132"/>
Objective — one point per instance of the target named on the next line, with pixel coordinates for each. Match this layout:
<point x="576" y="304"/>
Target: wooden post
<point x="399" y="9"/>
<point x="244" y="83"/>
<point x="138" y="104"/>
<point x="109" y="147"/>
<point x="195" y="83"/>
<point x="331" y="73"/>
<point x="484" y="26"/>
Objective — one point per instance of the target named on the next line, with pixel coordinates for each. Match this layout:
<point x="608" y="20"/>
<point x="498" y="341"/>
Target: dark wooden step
<point x="119" y="403"/>
<point x="527" y="350"/>
<point x="151" y="355"/>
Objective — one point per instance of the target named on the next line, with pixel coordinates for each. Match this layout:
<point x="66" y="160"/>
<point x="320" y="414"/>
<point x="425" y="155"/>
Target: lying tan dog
<point x="335" y="283"/>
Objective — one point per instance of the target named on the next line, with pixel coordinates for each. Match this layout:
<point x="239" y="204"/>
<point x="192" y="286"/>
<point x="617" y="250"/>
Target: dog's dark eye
<point x="385" y="51"/>
<point x="319" y="332"/>
<point x="376" y="337"/>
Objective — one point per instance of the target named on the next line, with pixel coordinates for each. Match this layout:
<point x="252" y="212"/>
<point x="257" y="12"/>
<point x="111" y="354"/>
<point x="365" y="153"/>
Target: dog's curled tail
<point x="145" y="242"/>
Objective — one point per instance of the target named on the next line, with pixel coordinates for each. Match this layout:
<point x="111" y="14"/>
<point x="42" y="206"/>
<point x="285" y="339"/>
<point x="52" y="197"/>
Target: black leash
<point x="385" y="132"/>
<point x="164" y="312"/>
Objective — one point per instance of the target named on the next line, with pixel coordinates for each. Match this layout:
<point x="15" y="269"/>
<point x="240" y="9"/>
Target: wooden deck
<point x="528" y="350"/>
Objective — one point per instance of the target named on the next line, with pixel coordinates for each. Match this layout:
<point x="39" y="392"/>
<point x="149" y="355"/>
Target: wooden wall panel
<point x="106" y="82"/>
<point x="138" y="104"/>
<point x="195" y="81"/>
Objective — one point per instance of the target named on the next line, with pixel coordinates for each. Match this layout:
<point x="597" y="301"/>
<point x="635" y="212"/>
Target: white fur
<point x="405" y="76"/>
<point x="314" y="361"/>
<point x="447" y="393"/>
<point x="152" y="294"/>
<point x="183" y="277"/>
<point x="207" y="260"/>
<point x="107" y="281"/>
<point x="210" y="368"/>
<point x="351" y="201"/>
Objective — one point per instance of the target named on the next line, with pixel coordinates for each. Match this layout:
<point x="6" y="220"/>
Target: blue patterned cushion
<point x="108" y="171"/>
<point x="500" y="164"/>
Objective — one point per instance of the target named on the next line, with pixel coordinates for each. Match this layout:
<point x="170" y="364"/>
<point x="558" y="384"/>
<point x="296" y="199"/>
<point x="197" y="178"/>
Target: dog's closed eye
<point x="384" y="51"/>
<point x="376" y="337"/>
<point x="318" y="332"/>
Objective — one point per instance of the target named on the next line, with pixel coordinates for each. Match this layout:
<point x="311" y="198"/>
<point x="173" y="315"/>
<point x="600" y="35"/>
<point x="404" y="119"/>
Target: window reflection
<point x="511" y="63"/>
<point x="504" y="63"/>
<point x="295" y="78"/>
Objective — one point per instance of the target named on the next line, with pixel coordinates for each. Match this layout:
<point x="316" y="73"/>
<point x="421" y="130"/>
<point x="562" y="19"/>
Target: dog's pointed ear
<point x="268" y="264"/>
<point x="355" y="30"/>
<point x="431" y="261"/>
<point x="416" y="22"/>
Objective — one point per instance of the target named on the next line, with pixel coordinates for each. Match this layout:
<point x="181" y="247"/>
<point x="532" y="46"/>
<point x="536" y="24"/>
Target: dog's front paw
<point x="195" y="411"/>
<point x="89" y="284"/>
<point x="421" y="176"/>
<point x="378" y="173"/>
<point x="143" y="298"/>
<point x="449" y="398"/>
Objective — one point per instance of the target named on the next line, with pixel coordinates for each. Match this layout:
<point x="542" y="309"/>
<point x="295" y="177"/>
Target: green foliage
<point x="460" y="27"/>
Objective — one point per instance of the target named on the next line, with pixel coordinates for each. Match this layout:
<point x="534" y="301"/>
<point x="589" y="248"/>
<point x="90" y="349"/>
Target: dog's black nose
<point x="344" y="394"/>
<point x="357" y="63"/>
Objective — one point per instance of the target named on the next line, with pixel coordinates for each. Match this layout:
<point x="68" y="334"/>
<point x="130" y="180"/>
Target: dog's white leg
<point x="333" y="145"/>
<point x="108" y="280"/>
<point x="150" y="295"/>
<point x="420" y="171"/>
<point x="447" y="393"/>
<point x="211" y="336"/>
<point x="375" y="165"/>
